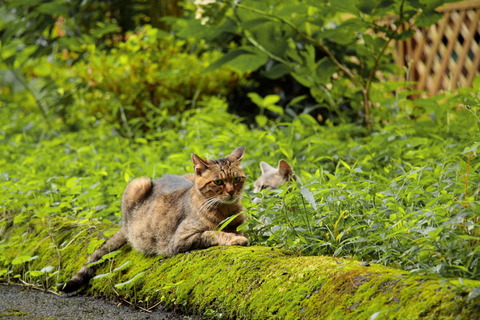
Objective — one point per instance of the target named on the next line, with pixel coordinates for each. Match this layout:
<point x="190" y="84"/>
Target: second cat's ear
<point x="285" y="170"/>
<point x="266" y="167"/>
<point x="200" y="164"/>
<point x="236" y="154"/>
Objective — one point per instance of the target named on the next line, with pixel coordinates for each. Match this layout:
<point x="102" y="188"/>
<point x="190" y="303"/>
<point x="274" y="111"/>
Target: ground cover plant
<point x="403" y="193"/>
<point x="405" y="196"/>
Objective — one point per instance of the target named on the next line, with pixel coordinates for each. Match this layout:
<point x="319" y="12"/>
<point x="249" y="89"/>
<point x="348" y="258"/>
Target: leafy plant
<point x="404" y="194"/>
<point x="140" y="84"/>
<point x="334" y="48"/>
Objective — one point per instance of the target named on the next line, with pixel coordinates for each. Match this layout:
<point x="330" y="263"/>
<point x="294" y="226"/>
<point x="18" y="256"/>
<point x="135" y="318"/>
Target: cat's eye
<point x="236" y="179"/>
<point x="218" y="182"/>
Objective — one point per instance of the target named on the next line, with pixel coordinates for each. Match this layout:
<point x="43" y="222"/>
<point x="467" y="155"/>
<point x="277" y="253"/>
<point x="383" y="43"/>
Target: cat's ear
<point x="236" y="154"/>
<point x="285" y="170"/>
<point x="200" y="164"/>
<point x="265" y="167"/>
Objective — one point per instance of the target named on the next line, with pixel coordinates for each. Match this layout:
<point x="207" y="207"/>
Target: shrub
<point x="337" y="49"/>
<point x="141" y="83"/>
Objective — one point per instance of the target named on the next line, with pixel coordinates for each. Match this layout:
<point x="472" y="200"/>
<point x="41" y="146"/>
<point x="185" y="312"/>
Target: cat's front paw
<point x="238" y="241"/>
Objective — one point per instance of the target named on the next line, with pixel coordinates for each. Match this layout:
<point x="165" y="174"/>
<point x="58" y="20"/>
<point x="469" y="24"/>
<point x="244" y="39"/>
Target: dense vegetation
<point x="383" y="178"/>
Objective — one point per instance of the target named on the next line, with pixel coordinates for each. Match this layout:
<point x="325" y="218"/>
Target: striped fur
<point x="175" y="214"/>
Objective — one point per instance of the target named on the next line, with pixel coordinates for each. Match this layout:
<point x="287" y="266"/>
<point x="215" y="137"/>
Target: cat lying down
<point x="175" y="214"/>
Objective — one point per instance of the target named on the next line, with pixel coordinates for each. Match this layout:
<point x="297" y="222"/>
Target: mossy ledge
<point x="237" y="282"/>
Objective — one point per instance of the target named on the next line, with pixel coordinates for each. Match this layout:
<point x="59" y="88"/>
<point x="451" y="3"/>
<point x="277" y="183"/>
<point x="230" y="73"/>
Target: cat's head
<point x="220" y="179"/>
<point x="272" y="178"/>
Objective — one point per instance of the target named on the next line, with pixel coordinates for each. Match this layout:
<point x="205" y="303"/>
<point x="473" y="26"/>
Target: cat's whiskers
<point x="209" y="204"/>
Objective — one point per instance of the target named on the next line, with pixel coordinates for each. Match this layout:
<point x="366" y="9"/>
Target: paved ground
<point x="19" y="303"/>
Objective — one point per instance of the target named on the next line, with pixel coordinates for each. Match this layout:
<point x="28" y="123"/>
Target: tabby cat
<point x="175" y="214"/>
<point x="272" y="177"/>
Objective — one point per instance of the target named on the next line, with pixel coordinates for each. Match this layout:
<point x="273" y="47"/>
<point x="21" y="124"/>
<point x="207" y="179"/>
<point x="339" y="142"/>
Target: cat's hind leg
<point x="88" y="270"/>
<point x="135" y="193"/>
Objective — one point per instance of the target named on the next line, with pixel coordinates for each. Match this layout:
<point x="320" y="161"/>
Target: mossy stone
<point x="243" y="282"/>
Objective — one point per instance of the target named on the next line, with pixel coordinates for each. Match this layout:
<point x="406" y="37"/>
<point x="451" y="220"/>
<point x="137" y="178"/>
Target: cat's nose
<point x="231" y="192"/>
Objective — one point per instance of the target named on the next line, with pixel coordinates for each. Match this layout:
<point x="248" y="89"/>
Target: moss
<point x="18" y="314"/>
<point x="12" y="314"/>
<point x="246" y="282"/>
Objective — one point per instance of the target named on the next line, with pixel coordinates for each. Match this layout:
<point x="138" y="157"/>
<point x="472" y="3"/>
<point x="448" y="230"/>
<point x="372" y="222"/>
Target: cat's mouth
<point x="229" y="199"/>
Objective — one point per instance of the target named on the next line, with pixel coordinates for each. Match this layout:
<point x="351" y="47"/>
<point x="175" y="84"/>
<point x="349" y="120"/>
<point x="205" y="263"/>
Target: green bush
<point x="336" y="49"/>
<point x="140" y="84"/>
<point x="404" y="194"/>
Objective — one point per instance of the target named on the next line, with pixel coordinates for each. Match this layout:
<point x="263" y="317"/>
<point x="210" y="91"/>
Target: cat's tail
<point x="87" y="271"/>
<point x="135" y="193"/>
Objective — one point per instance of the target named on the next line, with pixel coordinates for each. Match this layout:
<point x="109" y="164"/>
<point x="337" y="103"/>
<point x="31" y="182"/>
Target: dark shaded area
<point x="22" y="303"/>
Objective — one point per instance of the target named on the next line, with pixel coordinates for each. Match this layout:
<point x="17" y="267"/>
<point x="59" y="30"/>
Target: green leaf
<point x="261" y="120"/>
<point x="474" y="294"/>
<point x="277" y="71"/>
<point x="349" y="6"/>
<point x="325" y="69"/>
<point x="227" y="58"/>
<point x="252" y="23"/>
<point x="132" y="282"/>
<point x="255" y="97"/>
<point x="107" y="275"/>
<point x="123" y="266"/>
<point x="104" y="258"/>
<point x="172" y="285"/>
<point x="274" y="108"/>
<point x="366" y="6"/>
<point x="426" y="19"/>
<point x="94" y="244"/>
<point x="53" y="8"/>
<point x="35" y="273"/>
<point x="270" y="99"/>
<point x="22" y="259"/>
<point x="308" y="195"/>
<point x="345" y="164"/>
<point x="71" y="183"/>
<point x="223" y="224"/>
<point x="47" y="269"/>
<point x="248" y="62"/>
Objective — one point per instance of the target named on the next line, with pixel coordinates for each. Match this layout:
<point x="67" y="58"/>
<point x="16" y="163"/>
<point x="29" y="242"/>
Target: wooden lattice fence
<point x="446" y="55"/>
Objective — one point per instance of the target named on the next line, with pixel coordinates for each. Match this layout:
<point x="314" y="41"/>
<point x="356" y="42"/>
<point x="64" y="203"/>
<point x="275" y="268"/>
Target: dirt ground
<point x="18" y="303"/>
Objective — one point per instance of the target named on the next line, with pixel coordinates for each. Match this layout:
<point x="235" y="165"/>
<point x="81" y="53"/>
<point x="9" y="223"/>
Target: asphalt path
<point x="19" y="303"/>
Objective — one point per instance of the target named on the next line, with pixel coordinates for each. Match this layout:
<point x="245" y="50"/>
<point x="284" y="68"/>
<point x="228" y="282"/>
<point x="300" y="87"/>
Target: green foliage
<point x="31" y="30"/>
<point x="404" y="194"/>
<point x="144" y="81"/>
<point x="334" y="48"/>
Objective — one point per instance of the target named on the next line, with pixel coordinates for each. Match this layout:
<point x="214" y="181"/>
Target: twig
<point x="155" y="305"/>
<point x="136" y="306"/>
